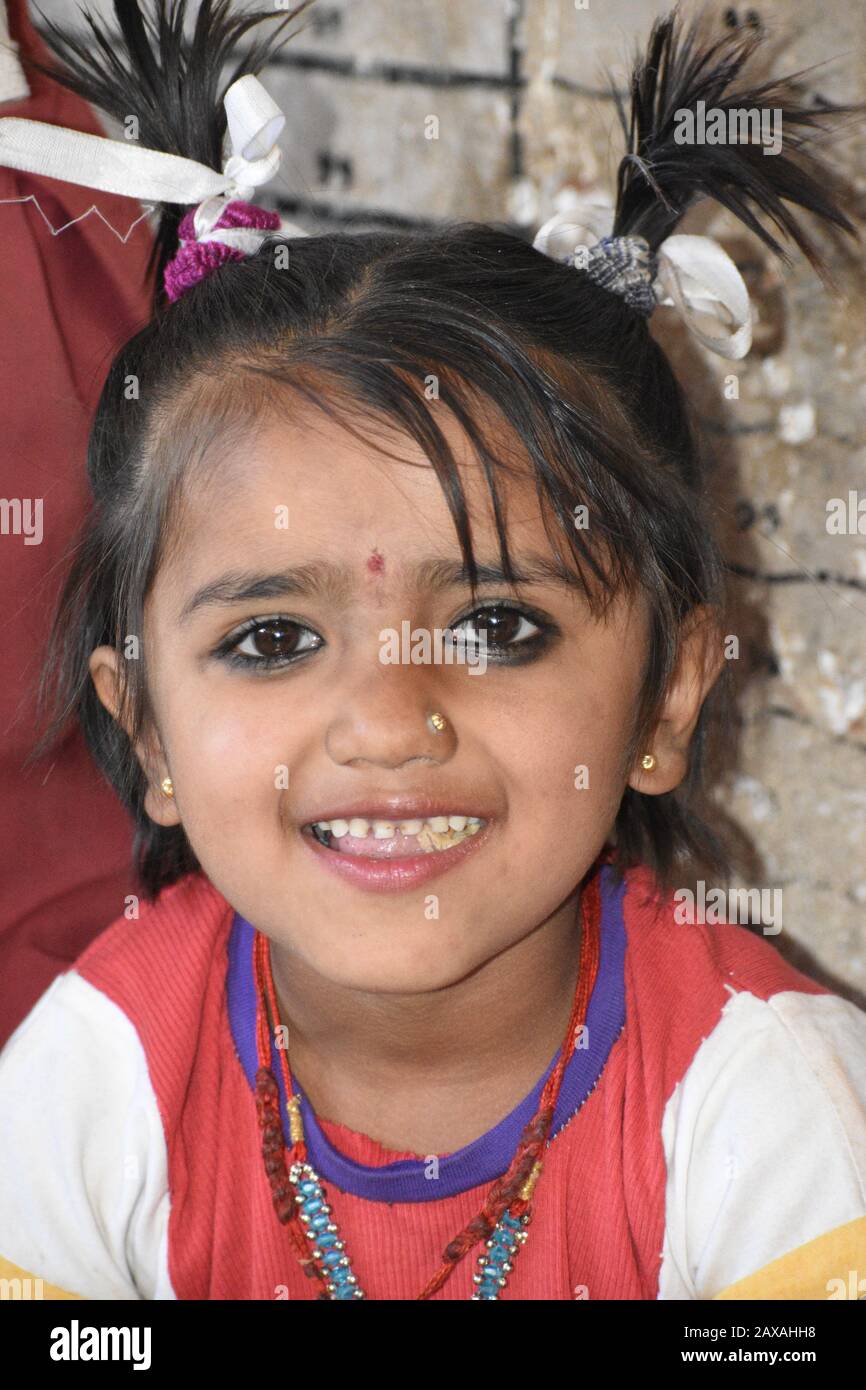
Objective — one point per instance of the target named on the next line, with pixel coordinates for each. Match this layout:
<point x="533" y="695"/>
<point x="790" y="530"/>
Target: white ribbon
<point x="255" y="123"/>
<point x="699" y="278"/>
<point x="575" y="213"/>
<point x="695" y="275"/>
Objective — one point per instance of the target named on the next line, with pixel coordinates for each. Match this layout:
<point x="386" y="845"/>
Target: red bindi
<point x="376" y="563"/>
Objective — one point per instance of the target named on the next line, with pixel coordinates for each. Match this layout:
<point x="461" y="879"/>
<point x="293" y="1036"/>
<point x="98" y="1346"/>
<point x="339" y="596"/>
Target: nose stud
<point x="438" y="722"/>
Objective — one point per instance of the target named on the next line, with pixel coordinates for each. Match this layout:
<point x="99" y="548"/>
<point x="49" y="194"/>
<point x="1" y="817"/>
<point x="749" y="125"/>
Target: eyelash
<point x="525" y="650"/>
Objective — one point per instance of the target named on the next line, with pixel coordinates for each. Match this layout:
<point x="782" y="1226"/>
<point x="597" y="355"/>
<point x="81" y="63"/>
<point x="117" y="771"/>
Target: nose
<point x="383" y="721"/>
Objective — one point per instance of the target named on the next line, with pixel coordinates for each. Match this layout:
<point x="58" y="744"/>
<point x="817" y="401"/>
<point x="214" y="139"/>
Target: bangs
<point x="545" y="425"/>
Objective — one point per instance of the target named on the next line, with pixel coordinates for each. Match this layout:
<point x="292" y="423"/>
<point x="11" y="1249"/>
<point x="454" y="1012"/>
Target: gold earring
<point x="438" y="721"/>
<point x="167" y="786"/>
<point x="648" y="762"/>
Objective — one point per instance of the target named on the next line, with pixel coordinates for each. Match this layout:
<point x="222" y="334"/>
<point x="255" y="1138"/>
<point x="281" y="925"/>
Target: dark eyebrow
<point x="324" y="579"/>
<point x="437" y="574"/>
<point x="320" y="578"/>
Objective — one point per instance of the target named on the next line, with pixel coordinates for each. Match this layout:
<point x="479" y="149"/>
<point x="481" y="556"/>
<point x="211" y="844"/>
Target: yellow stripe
<point x="808" y="1270"/>
<point x="37" y="1288"/>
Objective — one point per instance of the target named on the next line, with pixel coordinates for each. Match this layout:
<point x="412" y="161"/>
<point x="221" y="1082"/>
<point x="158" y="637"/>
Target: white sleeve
<point x="83" y="1173"/>
<point x="765" y="1146"/>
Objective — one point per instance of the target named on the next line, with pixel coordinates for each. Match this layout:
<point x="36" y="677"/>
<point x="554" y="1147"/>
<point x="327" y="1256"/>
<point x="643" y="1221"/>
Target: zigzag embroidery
<point x="55" y="231"/>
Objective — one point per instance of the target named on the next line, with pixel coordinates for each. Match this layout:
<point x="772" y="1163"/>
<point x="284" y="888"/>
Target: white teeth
<point x="360" y="828"/>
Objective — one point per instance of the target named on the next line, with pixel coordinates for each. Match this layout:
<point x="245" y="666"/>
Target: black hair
<point x="355" y="324"/>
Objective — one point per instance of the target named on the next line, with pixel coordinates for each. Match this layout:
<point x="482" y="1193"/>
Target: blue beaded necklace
<point x="329" y="1253"/>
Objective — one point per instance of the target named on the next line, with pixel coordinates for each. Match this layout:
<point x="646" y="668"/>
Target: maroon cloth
<point x="68" y="303"/>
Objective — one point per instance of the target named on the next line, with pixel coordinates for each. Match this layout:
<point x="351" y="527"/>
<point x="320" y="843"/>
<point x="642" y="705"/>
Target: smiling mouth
<point x="383" y="839"/>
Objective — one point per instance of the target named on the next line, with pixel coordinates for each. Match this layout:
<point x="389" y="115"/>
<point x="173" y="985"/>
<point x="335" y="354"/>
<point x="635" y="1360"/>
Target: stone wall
<point x="518" y="95"/>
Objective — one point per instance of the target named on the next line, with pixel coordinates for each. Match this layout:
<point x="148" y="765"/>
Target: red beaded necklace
<point x="510" y="1195"/>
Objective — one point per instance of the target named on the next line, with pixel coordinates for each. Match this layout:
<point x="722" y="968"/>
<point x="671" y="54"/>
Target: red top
<point x="179" y="974"/>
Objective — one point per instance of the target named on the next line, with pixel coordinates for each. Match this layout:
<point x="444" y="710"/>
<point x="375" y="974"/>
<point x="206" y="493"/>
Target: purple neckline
<point x="487" y="1157"/>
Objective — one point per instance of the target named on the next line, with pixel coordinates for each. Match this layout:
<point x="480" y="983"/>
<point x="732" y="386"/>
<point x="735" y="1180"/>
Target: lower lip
<point x="395" y="875"/>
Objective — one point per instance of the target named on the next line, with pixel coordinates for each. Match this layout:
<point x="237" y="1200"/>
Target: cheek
<point x="223" y="751"/>
<point x="566" y="756"/>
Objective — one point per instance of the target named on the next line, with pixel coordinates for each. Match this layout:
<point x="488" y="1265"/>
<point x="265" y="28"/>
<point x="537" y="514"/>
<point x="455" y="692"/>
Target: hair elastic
<point x="221" y="225"/>
<point x="690" y="273"/>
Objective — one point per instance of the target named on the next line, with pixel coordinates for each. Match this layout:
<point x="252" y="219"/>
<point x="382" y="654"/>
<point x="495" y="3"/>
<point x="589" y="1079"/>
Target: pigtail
<point x="661" y="176"/>
<point x="171" y="83"/>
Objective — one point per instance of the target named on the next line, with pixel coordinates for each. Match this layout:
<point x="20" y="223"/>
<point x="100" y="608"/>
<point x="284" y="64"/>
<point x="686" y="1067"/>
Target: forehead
<point x="291" y="488"/>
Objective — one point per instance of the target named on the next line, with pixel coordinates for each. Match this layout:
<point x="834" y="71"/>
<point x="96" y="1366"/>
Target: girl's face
<point x="325" y="545"/>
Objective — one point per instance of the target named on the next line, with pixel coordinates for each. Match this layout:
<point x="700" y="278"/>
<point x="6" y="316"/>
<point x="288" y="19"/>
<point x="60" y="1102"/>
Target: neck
<point x="431" y="1072"/>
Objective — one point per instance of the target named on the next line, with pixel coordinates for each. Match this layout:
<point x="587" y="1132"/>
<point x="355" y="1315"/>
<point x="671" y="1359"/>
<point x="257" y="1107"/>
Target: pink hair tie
<point x="201" y="253"/>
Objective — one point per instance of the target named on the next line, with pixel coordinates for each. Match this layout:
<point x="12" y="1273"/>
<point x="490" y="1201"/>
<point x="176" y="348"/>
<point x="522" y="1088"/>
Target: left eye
<point x="502" y="627"/>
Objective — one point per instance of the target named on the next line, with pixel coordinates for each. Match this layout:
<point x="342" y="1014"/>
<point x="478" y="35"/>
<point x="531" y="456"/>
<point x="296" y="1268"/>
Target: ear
<point x="105" y="674"/>
<point x="700" y="659"/>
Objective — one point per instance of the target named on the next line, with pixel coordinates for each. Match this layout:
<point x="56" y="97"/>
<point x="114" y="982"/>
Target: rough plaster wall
<point x="519" y="90"/>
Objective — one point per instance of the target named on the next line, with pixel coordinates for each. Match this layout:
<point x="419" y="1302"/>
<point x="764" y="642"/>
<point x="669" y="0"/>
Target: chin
<point x="387" y="970"/>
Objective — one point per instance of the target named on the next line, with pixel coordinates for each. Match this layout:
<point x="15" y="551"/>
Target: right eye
<point x="267" y="643"/>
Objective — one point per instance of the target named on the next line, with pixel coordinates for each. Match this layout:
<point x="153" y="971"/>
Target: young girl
<point x="395" y="626"/>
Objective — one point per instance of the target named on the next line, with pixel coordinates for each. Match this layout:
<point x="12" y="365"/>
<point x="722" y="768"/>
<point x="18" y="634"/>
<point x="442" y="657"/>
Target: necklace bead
<point x="328" y="1249"/>
<point x="503" y="1245"/>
